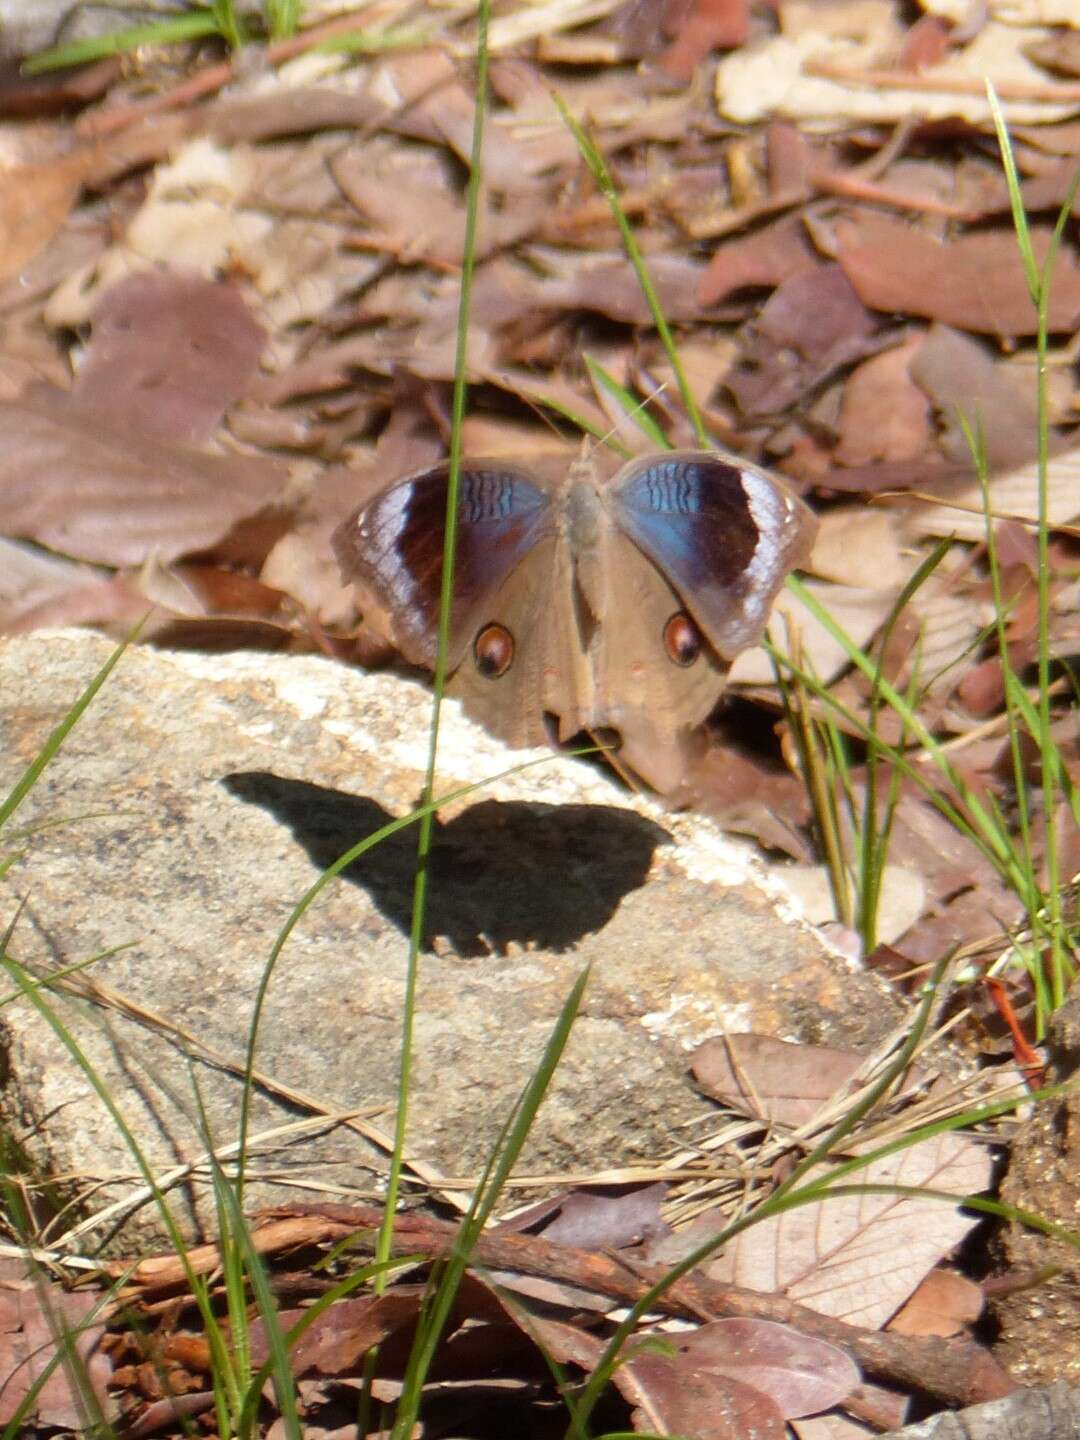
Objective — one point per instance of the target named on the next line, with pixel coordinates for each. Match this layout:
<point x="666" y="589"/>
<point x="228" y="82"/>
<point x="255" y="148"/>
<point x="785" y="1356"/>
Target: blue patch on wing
<point x="394" y="547"/>
<point x="690" y="513"/>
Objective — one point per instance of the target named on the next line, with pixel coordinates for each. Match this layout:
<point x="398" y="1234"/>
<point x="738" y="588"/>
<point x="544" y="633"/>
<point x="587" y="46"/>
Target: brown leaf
<point x="799" y="1374"/>
<point x="673" y="1398"/>
<point x="115" y="497"/>
<point x="943" y="1304"/>
<point x="750" y="798"/>
<point x="168" y="354"/>
<point x="593" y="1220"/>
<point x="858" y="610"/>
<point x="766" y="257"/>
<point x="958" y="374"/>
<point x="607" y="284"/>
<point x="416" y="209"/>
<point x="975" y="282"/>
<point x="883" y="414"/>
<point x="37" y="1320"/>
<point x="700" y="27"/>
<point x="342" y="1335"/>
<point x="810" y="325"/>
<point x="981" y="690"/>
<point x="1059" y="52"/>
<point x="772" y="1079"/>
<point x="1014" y="494"/>
<point x="157" y="1416"/>
<point x="857" y="546"/>
<point x="858" y="1257"/>
<point x="37" y="200"/>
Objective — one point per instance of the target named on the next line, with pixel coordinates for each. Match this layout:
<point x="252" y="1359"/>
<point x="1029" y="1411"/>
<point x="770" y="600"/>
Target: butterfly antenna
<point x="615" y="430"/>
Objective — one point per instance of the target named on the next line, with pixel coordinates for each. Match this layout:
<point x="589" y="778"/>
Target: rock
<point x="201" y="795"/>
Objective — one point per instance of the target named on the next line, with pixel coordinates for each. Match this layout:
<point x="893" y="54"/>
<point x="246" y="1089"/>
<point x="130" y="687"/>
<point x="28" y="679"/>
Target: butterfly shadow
<point x="500" y="873"/>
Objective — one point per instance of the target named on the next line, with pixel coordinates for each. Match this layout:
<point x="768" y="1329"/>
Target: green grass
<point x="217" y="19"/>
<point x="220" y="20"/>
<point x="844" y="805"/>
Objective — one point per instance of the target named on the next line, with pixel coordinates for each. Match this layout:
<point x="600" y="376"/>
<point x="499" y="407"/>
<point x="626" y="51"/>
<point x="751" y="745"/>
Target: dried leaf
<point x="342" y="1335"/>
<point x="703" y="26"/>
<point x="772" y="1079"/>
<point x="813" y="323"/>
<point x="671" y="1398"/>
<point x="114" y="497"/>
<point x="859" y="547"/>
<point x="960" y="376"/>
<point x="799" y="1374"/>
<point x="750" y="798"/>
<point x="767" y="257"/>
<point x="417" y="213"/>
<point x="37" y="201"/>
<point x="859" y="1257"/>
<point x="858" y="611"/>
<point x="169" y="353"/>
<point x="592" y="1220"/>
<point x="901" y="900"/>
<point x="1014" y="494"/>
<point x="884" y="416"/>
<point x="975" y="282"/>
<point x="36" y="1320"/>
<point x="943" y="1305"/>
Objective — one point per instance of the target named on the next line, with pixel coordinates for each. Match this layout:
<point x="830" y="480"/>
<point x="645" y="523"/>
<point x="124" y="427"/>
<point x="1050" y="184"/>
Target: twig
<point x="1063" y="93"/>
<point x="958" y="1372"/>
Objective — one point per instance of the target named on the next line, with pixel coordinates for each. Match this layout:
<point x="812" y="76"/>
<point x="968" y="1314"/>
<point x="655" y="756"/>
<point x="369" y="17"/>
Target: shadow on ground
<point x="500" y="873"/>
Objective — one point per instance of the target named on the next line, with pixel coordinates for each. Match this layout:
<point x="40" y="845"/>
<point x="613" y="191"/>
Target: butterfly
<point x="611" y="604"/>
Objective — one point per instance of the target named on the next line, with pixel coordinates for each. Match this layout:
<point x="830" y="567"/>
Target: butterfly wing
<point x="723" y="532"/>
<point x="392" y="548"/>
<point x="652" y="702"/>
<point x="547" y="675"/>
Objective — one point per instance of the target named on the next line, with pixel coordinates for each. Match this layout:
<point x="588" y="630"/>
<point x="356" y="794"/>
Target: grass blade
<point x="48" y="751"/>
<point x="120" y="42"/>
<point x="595" y="161"/>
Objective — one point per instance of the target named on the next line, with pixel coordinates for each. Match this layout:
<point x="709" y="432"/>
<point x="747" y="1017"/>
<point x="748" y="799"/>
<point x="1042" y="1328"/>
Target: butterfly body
<point x="585" y="602"/>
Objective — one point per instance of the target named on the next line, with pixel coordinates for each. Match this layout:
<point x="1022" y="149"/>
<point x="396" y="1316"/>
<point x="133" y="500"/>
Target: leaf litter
<point x="228" y="313"/>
